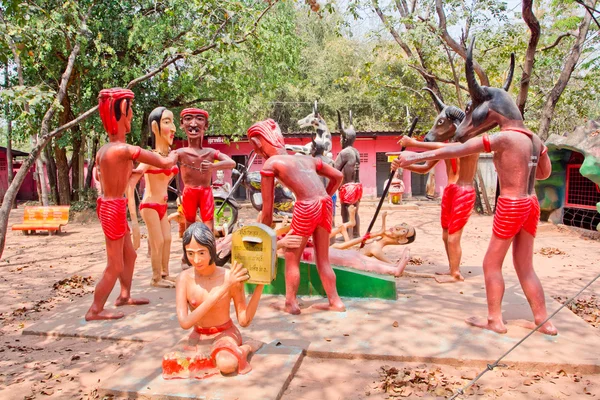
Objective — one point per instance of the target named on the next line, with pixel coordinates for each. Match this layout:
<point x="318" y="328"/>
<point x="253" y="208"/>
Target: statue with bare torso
<point x="520" y="158"/>
<point x="348" y="162"/>
<point x="312" y="215"/>
<point x="197" y="164"/>
<point x="114" y="168"/>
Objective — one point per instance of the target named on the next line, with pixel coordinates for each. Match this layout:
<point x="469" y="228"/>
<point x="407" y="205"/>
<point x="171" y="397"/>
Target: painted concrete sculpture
<point x="348" y="161"/>
<point x="312" y="216"/>
<point x="197" y="164"/>
<point x="153" y="207"/>
<point x="458" y="199"/>
<point x="115" y="165"/>
<point x="520" y="158"/>
<point x="204" y="294"/>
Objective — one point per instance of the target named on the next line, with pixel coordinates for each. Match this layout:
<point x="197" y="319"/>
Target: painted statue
<point x="323" y="135"/>
<point x="348" y="161"/>
<point x="312" y="216"/>
<point x="397" y="188"/>
<point x="520" y="158"/>
<point x="204" y="294"/>
<point x="458" y="198"/>
<point x="153" y="207"/>
<point x="220" y="183"/>
<point x="197" y="164"/>
<point x="352" y="258"/>
<point x="115" y="165"/>
<point x="398" y="234"/>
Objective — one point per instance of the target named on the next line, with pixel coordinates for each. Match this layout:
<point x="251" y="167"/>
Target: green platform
<point x="349" y="282"/>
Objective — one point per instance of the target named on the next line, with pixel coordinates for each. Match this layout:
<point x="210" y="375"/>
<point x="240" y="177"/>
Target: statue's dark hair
<point x="156" y="116"/>
<point x="204" y="236"/>
<point x="117" y="107"/>
<point x="412" y="238"/>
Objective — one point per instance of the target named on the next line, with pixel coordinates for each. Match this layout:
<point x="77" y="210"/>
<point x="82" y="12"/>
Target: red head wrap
<point x="194" y="111"/>
<point x="268" y="132"/>
<point x="106" y="106"/>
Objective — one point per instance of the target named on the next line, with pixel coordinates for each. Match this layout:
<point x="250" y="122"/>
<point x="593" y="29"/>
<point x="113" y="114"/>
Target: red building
<point x="372" y="146"/>
<point x="28" y="189"/>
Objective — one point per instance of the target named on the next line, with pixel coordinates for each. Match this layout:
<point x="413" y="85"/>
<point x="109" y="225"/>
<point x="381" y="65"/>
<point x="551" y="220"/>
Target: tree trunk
<point x="9" y="160"/>
<point x="51" y="165"/>
<point x="565" y="75"/>
<point x="74" y="164"/>
<point x="92" y="162"/>
<point x="534" y="27"/>
<point x="145" y="134"/>
<point x="62" y="169"/>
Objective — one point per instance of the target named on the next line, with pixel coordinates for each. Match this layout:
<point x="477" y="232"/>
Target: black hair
<point x="118" y="108"/>
<point x="204" y="236"/>
<point x="156" y="116"/>
<point x="412" y="237"/>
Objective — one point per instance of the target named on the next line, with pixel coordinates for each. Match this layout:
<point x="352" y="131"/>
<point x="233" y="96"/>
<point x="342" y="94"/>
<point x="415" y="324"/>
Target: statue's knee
<point x="454" y="240"/>
<point x="227" y="363"/>
<point x="158" y="243"/>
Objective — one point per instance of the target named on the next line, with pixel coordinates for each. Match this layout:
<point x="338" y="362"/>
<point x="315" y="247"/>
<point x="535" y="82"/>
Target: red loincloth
<point x="198" y="197"/>
<point x="512" y="215"/>
<point x="161" y="209"/>
<point x="351" y="193"/>
<point x="211" y="330"/>
<point x="112" y="214"/>
<point x="457" y="205"/>
<point x="308" y="215"/>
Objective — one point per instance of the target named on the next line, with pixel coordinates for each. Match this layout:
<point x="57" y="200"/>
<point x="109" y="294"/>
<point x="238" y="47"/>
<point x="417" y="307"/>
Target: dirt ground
<point x="42" y="272"/>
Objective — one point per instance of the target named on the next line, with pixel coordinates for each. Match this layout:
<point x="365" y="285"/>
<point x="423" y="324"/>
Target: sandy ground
<point x="43" y="272"/>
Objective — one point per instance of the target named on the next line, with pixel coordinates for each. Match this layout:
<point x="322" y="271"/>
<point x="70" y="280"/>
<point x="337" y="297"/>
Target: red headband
<point x="194" y="111"/>
<point x="106" y="106"/>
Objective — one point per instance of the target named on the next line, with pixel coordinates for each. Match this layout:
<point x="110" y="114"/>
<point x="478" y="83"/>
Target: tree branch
<point x="423" y="72"/>
<point x="454" y="45"/>
<point x="557" y="41"/>
<point x="534" y="27"/>
<point x="203" y="49"/>
<point x="393" y="31"/>
<point x="565" y="75"/>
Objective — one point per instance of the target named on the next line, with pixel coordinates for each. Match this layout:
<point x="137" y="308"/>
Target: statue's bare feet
<point x="548" y="328"/>
<point x="130" y="301"/>
<point x="402" y="263"/>
<point x="330" y="306"/>
<point x="290" y="308"/>
<point x="449" y="278"/>
<point x="169" y="278"/>
<point x="492" y="325"/>
<point x="163" y="283"/>
<point x="91" y="316"/>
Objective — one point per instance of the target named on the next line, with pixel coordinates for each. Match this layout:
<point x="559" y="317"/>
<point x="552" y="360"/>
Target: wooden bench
<point x="38" y="218"/>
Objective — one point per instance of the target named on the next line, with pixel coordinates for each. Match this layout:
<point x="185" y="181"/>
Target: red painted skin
<point x="512" y="151"/>
<point x="194" y="122"/>
<point x="115" y="165"/>
<point x="301" y="175"/>
<point x="454" y="215"/>
<point x="460" y="174"/>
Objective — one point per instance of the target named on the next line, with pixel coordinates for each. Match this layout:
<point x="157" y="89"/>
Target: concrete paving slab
<point x="273" y="367"/>
<point x="141" y="323"/>
<point x="430" y="326"/>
